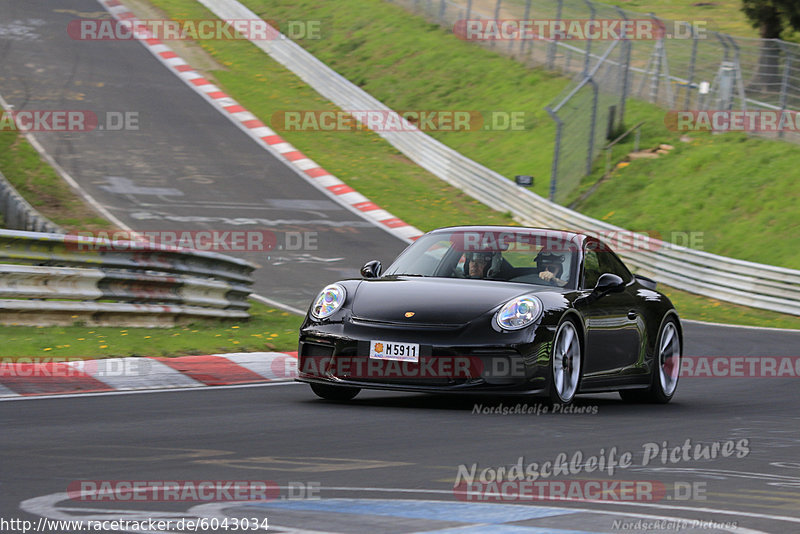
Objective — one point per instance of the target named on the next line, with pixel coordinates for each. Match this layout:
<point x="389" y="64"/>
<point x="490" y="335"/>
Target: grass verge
<point x="267" y="330"/>
<point x="43" y="188"/>
<point x="691" y="306"/>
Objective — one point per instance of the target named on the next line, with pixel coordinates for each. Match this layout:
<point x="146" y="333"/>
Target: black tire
<point x="563" y="361"/>
<point x="666" y="368"/>
<point x="334" y="393"/>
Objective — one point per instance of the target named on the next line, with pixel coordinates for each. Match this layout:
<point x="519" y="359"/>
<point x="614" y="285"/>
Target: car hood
<point x="432" y="300"/>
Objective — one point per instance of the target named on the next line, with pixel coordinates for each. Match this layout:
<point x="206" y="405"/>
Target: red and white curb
<point x="28" y="377"/>
<point x="263" y="135"/>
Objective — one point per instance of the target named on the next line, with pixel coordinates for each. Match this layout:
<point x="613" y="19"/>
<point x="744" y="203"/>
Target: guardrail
<point x="61" y="279"/>
<point x="741" y="282"/>
<point x="18" y="214"/>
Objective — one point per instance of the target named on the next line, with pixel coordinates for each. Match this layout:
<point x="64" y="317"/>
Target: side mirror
<point x="372" y="269"/>
<point x="607" y="283"/>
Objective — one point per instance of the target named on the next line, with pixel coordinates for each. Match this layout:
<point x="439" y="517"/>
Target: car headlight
<point x="328" y="301"/>
<point x="519" y="313"/>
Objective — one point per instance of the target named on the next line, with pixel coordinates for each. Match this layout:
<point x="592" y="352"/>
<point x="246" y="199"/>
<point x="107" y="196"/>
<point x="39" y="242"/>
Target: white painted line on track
<point x="46" y="506"/>
<point x="766" y="328"/>
<point x="286" y="382"/>
<point x="275" y="304"/>
<point x="755" y="515"/>
<point x="68" y="178"/>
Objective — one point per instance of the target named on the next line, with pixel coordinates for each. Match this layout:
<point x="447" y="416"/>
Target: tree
<point x="770" y="17"/>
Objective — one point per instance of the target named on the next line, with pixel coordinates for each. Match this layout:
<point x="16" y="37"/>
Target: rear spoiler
<point x="646" y="282"/>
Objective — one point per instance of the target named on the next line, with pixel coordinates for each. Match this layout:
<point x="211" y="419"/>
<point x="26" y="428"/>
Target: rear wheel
<point x="666" y="368"/>
<point x="566" y="363"/>
<point x="334" y="393"/>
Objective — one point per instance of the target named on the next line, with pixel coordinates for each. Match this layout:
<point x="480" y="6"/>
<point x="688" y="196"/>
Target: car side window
<point x="609" y="263"/>
<point x="591" y="269"/>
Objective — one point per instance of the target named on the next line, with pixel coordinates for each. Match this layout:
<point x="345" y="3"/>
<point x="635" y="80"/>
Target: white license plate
<point x="390" y="350"/>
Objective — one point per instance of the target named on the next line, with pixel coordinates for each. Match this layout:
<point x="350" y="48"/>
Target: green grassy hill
<point x="735" y="191"/>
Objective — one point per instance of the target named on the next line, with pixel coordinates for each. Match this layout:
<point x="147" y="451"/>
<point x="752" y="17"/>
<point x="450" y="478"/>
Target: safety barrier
<point x="18" y="214"/>
<point x="61" y="279"/>
<point x="741" y="282"/>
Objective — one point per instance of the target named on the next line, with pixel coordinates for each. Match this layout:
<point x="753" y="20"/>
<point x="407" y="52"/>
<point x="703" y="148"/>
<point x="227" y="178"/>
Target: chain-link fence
<point x="587" y="114"/>
<point x="684" y="66"/>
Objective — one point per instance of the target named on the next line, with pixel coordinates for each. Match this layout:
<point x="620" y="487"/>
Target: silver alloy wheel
<point x="566" y="361"/>
<point x="669" y="358"/>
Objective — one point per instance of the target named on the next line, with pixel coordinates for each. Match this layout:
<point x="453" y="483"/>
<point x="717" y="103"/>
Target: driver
<point x="482" y="264"/>
<point x="551" y="267"/>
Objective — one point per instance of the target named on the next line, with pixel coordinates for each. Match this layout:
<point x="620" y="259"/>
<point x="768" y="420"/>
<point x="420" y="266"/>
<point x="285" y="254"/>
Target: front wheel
<point x="334" y="393"/>
<point x="565" y="364"/>
<point x="666" y="368"/>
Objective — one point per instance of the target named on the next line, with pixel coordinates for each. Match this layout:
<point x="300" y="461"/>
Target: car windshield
<point x="538" y="257"/>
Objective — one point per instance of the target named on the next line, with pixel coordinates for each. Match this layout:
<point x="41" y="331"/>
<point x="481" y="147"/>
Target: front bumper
<point x="452" y="359"/>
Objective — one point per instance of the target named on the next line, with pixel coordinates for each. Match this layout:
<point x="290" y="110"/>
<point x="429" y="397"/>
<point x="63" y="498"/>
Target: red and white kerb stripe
<point x="265" y="136"/>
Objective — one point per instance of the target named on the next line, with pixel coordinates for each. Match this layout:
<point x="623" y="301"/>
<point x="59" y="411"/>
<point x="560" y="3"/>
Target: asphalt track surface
<point x="385" y="462"/>
<point x="186" y="167"/>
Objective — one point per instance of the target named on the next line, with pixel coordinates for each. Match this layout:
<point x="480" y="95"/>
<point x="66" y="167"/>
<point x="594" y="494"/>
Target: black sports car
<point x="491" y="309"/>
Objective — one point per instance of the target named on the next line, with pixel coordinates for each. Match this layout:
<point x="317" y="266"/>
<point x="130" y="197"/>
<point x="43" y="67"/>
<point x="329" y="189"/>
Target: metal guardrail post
<point x="551" y="50"/>
<point x="592" y="125"/>
<point x="787" y="65"/>
<point x="556" y="152"/>
<point x="737" y="75"/>
<point x="524" y="44"/>
<point x="588" y="56"/>
<point x="692" y="63"/>
<point x="496" y="17"/>
<point x="625" y="62"/>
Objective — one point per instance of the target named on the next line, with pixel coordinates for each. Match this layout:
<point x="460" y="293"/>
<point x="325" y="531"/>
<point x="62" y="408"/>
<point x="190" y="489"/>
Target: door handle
<point x="632" y="315"/>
